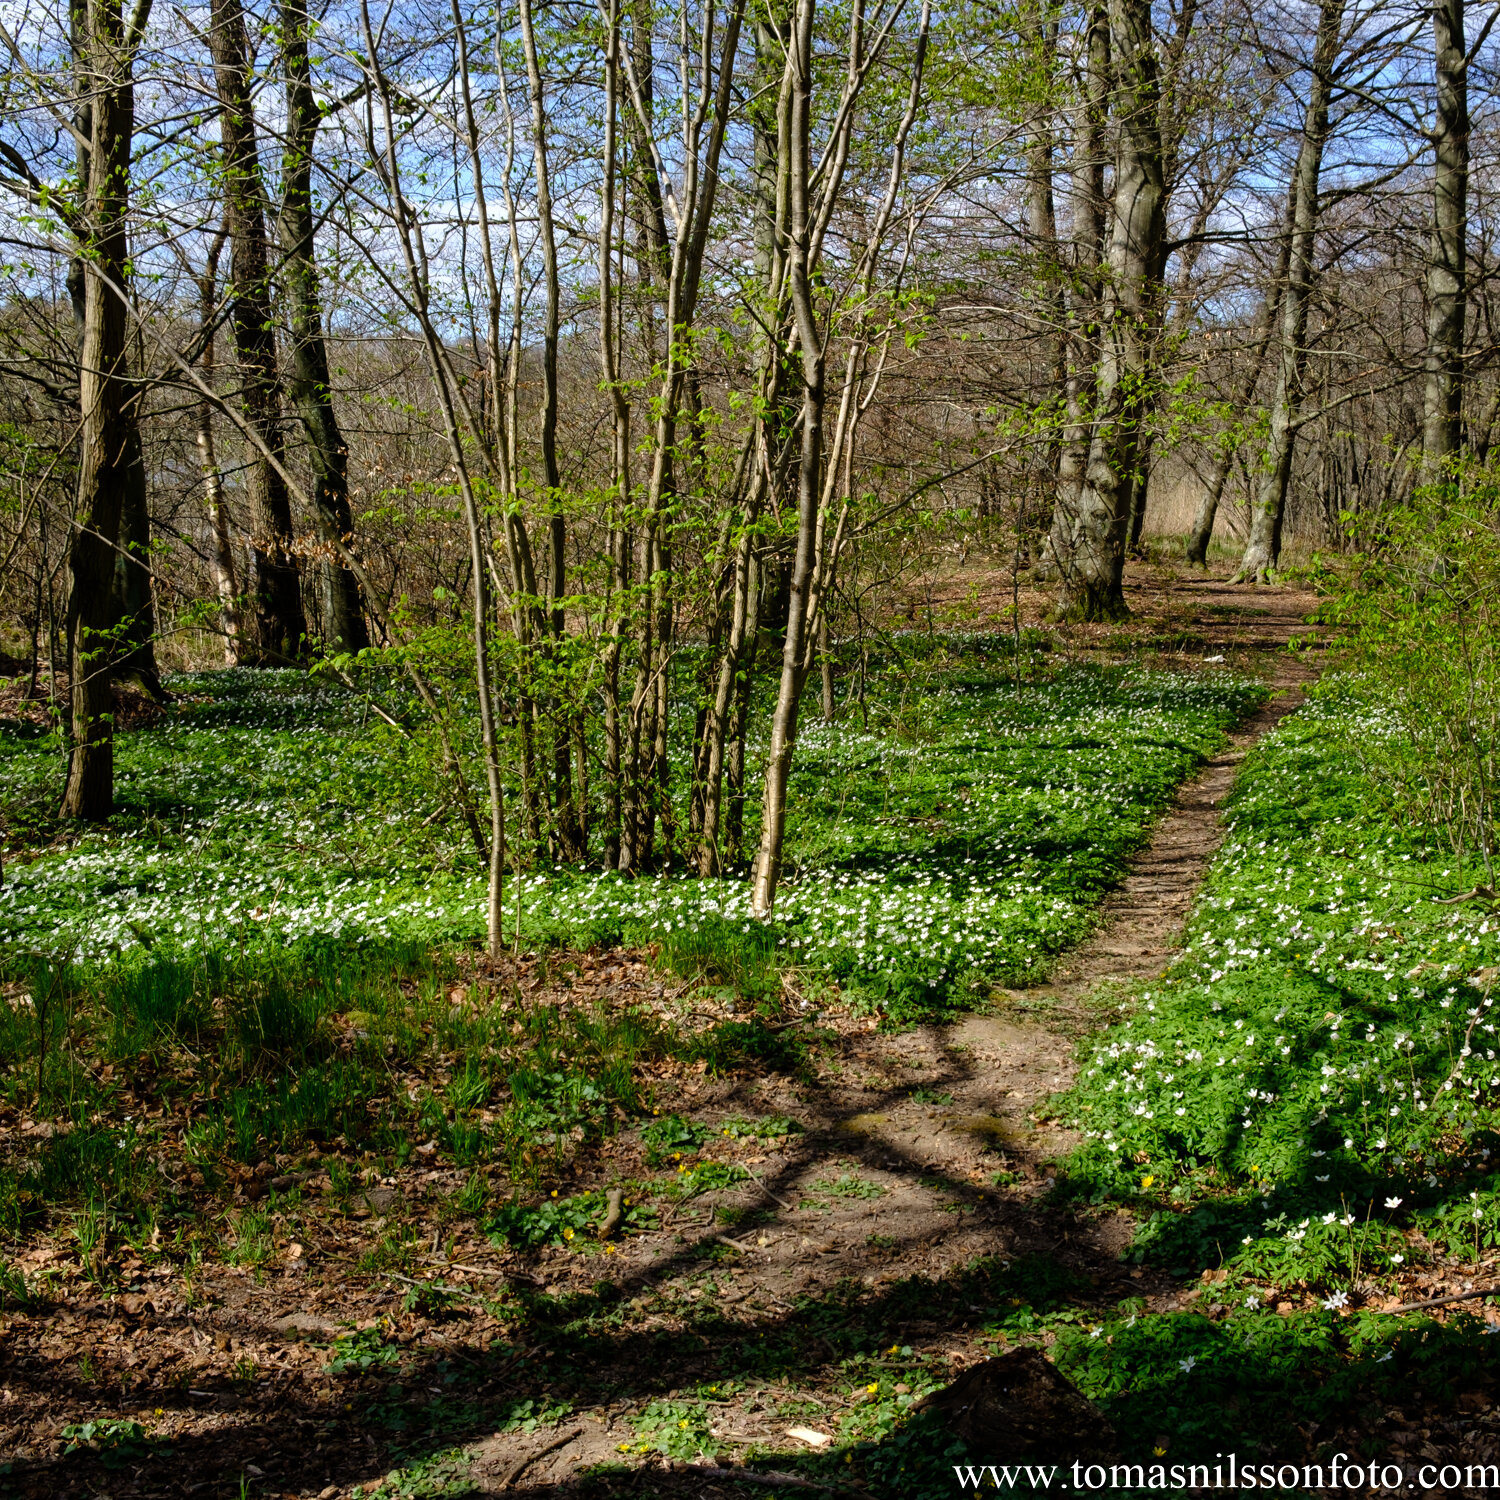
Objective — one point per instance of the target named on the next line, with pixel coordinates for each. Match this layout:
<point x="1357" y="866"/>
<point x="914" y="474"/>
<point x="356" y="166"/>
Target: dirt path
<point x="922" y="1155"/>
<point x="930" y="1148"/>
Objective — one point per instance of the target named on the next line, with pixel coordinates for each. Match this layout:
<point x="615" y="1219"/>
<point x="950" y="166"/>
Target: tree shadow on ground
<point x="1036" y="1269"/>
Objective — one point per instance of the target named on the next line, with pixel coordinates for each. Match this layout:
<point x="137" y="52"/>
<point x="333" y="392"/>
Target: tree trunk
<point x="795" y="656"/>
<point x="1093" y="584"/>
<point x="1139" y="483"/>
<point x="739" y="723"/>
<point x="561" y="712"/>
<point x="342" y="616"/>
<point x="221" y="551"/>
<point x="134" y="609"/>
<point x="1081" y="341"/>
<point x="109" y="446"/>
<point x="825" y="664"/>
<point x="1446" y="280"/>
<point x="734" y="668"/>
<point x="1263" y="548"/>
<point x="1208" y="505"/>
<point x="619" y="535"/>
<point x="278" y="628"/>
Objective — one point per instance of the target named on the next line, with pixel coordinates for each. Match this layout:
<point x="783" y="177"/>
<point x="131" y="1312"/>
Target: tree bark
<point x="221" y="550"/>
<point x="568" y="817"/>
<point x="1081" y="333"/>
<point x="342" y="616"/>
<point x="1263" y="547"/>
<point x="109" y="445"/>
<point x="1093" y="583"/>
<point x="1442" y="396"/>
<point x="795" y="156"/>
<point x="278" y="628"/>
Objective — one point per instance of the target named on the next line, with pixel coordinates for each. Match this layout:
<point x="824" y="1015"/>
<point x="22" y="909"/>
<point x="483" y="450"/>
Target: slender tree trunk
<point x="108" y="443"/>
<point x="1446" y="279"/>
<point x="619" y="536"/>
<point x="1263" y="547"/>
<point x="647" y="778"/>
<point x="1093" y="585"/>
<point x="1208" y="504"/>
<point x="278" y="629"/>
<point x="734" y="666"/>
<point x="739" y="723"/>
<point x="1139" y="483"/>
<point x="134" y="611"/>
<point x="795" y="655"/>
<point x="1081" y="343"/>
<point x="1041" y="230"/>
<point x="221" y="551"/>
<point x="416" y="270"/>
<point x="309" y="386"/>
<point x="562" y="714"/>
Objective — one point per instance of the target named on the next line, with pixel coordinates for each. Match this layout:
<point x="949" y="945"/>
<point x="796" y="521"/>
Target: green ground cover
<point x="1305" y="1110"/>
<point x="1319" y="1074"/>
<point x="965" y="830"/>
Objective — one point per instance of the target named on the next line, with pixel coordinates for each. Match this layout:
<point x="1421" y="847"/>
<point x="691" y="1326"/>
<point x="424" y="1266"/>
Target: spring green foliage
<point x="118" y="1441"/>
<point x="563" y="1221"/>
<point x="359" y="1353"/>
<point x="1421" y="617"/>
<point x="1319" y="1073"/>
<point x="960" y="835"/>
<point x="525" y="1086"/>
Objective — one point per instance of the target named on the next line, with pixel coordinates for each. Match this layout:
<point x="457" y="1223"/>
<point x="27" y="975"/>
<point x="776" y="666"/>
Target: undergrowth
<point x="958" y="834"/>
<point x="1310" y="1098"/>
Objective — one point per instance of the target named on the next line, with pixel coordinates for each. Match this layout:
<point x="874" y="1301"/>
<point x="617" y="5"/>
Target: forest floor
<point x="844" y="1237"/>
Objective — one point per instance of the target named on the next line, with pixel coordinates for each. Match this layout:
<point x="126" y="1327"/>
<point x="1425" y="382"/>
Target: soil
<point x="919" y="1153"/>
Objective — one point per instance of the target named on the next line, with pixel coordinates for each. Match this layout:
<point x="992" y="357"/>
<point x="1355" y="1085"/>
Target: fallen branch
<point x="453" y="1265"/>
<point x="1487" y="1291"/>
<point x="515" y="1470"/>
<point x="436" y="1286"/>
<point x="724" y="1239"/>
<point x="772" y="1196"/>
<point x="614" y="1212"/>
<point x="1483" y="892"/>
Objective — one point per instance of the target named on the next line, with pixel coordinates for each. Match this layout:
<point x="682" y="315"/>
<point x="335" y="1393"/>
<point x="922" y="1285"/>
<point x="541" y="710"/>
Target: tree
<point x="1093" y="583"/>
<point x="106" y="44"/>
<point x="1442" y="392"/>
<point x="1263" y="547"/>
<point x="309" y="384"/>
<point x="276" y="630"/>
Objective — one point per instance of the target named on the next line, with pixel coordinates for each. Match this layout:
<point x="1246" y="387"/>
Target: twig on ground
<point x="724" y="1239"/>
<point x="772" y="1196"/>
<point x="437" y="1286"/>
<point x="1485" y="1291"/>
<point x="453" y="1265"/>
<point x="514" y="1472"/>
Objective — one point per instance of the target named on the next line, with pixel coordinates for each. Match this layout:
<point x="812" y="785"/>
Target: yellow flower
<point x="1147" y="1180"/>
<point x="1158" y="1451"/>
<point x="567" y="1234"/>
<point x="873" y="1387"/>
